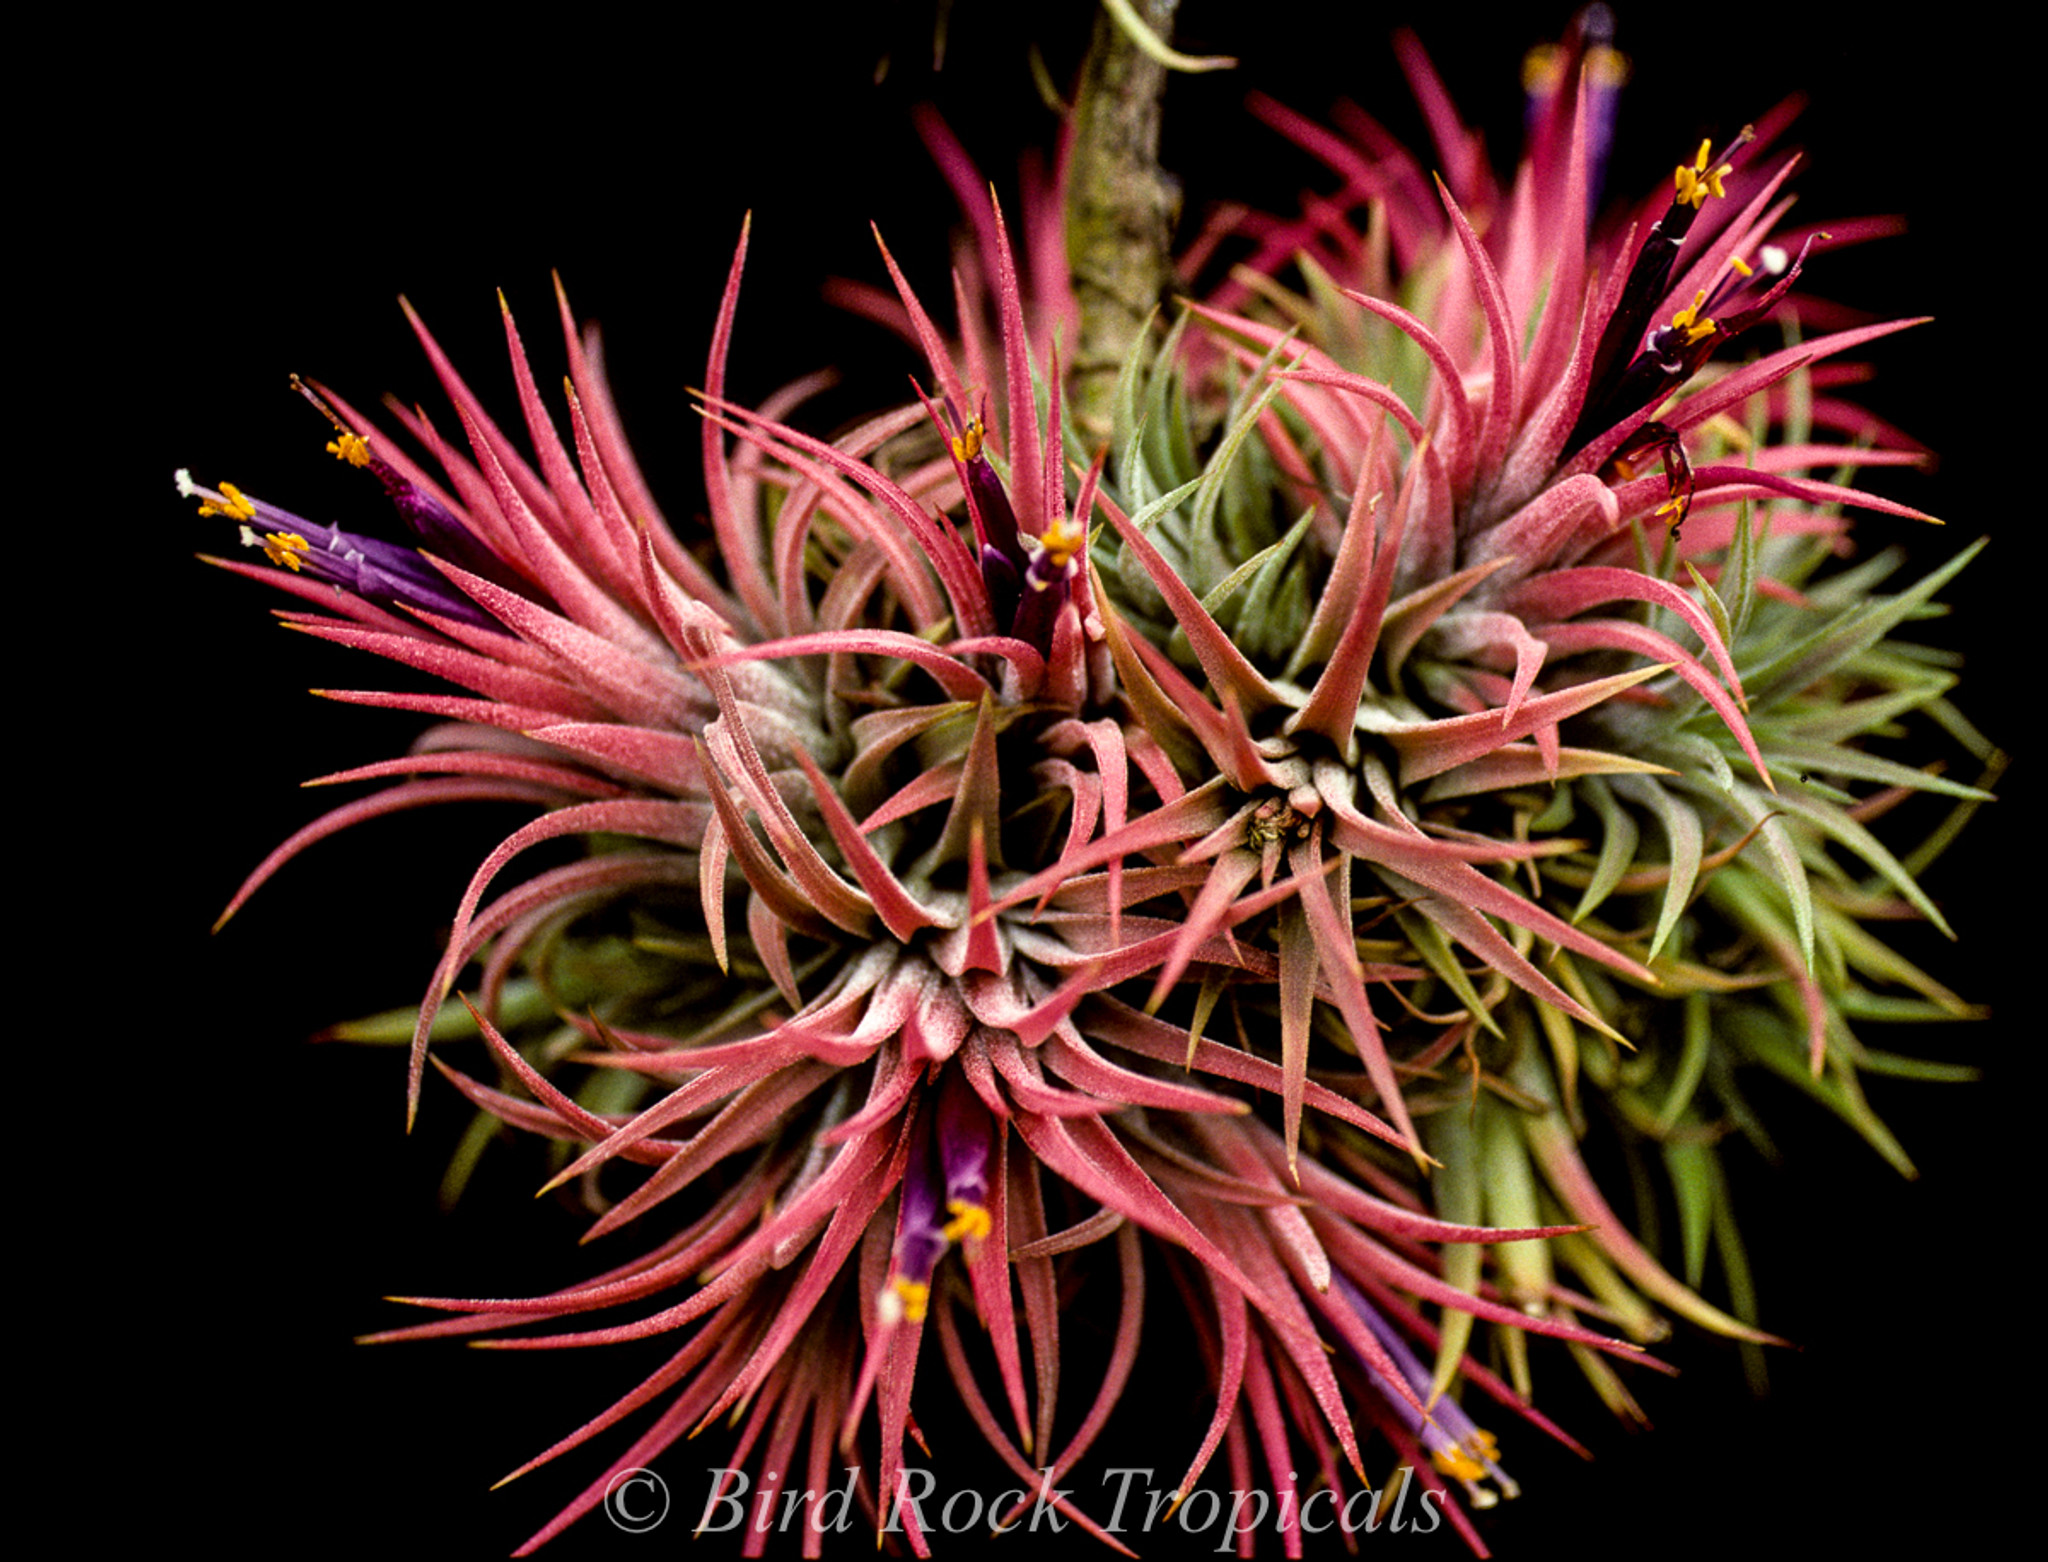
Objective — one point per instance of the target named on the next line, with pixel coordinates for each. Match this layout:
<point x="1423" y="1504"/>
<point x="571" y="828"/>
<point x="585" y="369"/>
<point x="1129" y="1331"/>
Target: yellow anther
<point x="1458" y="1464"/>
<point x="1740" y="266"/>
<point x="967" y="443"/>
<point x="1543" y="69"/>
<point x="1062" y="540"/>
<point x="231" y="503"/>
<point x="1696" y="181"/>
<point x="286" y="548"/>
<point x="916" y="1297"/>
<point x="352" y="448"/>
<point x="970" y="1222"/>
<point x="1688" y="320"/>
<point x="1606" y="67"/>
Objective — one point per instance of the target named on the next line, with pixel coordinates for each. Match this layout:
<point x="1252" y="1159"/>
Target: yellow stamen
<point x="1606" y="67"/>
<point x="352" y="448"/>
<point x="916" y="1297"/>
<point x="1688" y="320"/>
<point x="1543" y="69"/>
<point x="1062" y="540"/>
<point x="1458" y="1464"/>
<point x="1742" y="267"/>
<point x="967" y="443"/>
<point x="970" y="1221"/>
<point x="1696" y="181"/>
<point x="286" y="549"/>
<point x="231" y="503"/>
<point x="347" y="444"/>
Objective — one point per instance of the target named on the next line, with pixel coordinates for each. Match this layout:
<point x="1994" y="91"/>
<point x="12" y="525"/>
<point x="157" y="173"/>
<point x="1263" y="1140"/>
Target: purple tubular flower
<point x="1457" y="1445"/>
<point x="944" y="1199"/>
<point x="385" y="573"/>
<point x="992" y="500"/>
<point x="1003" y="558"/>
<point x="1672" y="354"/>
<point x="964" y="1129"/>
<point x="1637" y="365"/>
<point x="1055" y="561"/>
<point x="440" y="530"/>
<point x="1550" y="69"/>
<point x="999" y="575"/>
<point x="920" y="1235"/>
<point x="1027" y="577"/>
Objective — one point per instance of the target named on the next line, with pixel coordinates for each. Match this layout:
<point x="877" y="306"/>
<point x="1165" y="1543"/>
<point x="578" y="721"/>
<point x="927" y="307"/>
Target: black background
<point x="210" y="210"/>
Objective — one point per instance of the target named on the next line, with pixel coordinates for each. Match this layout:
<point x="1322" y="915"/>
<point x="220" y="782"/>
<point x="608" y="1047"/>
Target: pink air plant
<point x="1016" y="866"/>
<point x="931" y="1024"/>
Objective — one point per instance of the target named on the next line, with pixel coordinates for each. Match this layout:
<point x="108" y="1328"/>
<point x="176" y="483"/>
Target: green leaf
<point x="1509" y="1182"/>
<point x="1958" y="726"/>
<point x="1127" y="416"/>
<point x="1859" y="627"/>
<point x="469" y="1150"/>
<point x="1436" y="953"/>
<point x="520" y="1002"/>
<point x="1206" y="552"/>
<point x="1753" y="809"/>
<point x="1901" y="1067"/>
<point x="1838" y="826"/>
<point x="1695" y="756"/>
<point x="1837" y="722"/>
<point x="1138" y="589"/>
<point x="1692" y="1063"/>
<point x="1684" y="843"/>
<point x="1454" y="1193"/>
<point x="1694" y="1183"/>
<point x="1865" y="952"/>
<point x="1618" y="839"/>
<point x="1716" y="611"/>
<point x="1261" y="573"/>
<point x="1277" y="609"/>
<point x="1785" y="1056"/>
<point x="1739" y="572"/>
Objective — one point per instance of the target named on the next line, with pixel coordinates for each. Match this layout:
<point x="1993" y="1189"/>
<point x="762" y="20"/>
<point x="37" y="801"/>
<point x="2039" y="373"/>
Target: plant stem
<point x="1120" y="207"/>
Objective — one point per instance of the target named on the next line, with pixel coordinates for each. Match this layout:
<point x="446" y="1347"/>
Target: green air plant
<point x="1230" y="861"/>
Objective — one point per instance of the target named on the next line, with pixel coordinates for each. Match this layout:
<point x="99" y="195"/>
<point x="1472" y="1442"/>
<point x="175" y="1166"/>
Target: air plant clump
<point x="1229" y="861"/>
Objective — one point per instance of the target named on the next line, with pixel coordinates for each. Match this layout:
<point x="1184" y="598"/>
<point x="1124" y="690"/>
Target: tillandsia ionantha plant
<point x="1220" y="837"/>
